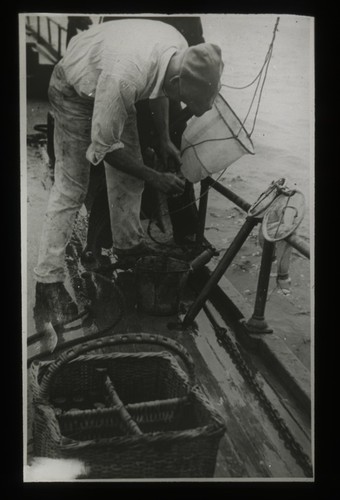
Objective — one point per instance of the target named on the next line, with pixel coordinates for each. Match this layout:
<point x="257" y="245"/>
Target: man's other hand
<point x="170" y="156"/>
<point x="168" y="183"/>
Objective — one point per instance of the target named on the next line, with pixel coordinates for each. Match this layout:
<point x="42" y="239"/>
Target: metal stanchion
<point x="202" y="212"/>
<point x="221" y="268"/>
<point x="299" y="244"/>
<point x="240" y="202"/>
<point x="257" y="323"/>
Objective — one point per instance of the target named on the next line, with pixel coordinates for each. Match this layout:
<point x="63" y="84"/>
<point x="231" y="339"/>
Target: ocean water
<point x="283" y="136"/>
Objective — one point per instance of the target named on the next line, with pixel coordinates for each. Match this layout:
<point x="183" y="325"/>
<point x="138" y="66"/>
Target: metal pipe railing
<point x="221" y="268"/>
<point x="299" y="244"/>
<point x="257" y="322"/>
<point x="202" y="212"/>
<point x="49" y="30"/>
<point x="240" y="202"/>
<point x="56" y="23"/>
<point x="59" y="41"/>
<point x="294" y="240"/>
<point x="54" y="47"/>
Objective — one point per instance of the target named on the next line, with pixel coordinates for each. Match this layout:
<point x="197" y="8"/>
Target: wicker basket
<point x="125" y="414"/>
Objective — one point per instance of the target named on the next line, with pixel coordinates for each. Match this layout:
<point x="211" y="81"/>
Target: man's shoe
<point x="141" y="250"/>
<point x="126" y="259"/>
<point x="93" y="261"/>
<point x="53" y="301"/>
<point x="185" y="240"/>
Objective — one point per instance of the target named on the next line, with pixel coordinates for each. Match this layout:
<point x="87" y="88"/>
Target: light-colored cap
<point x="200" y="73"/>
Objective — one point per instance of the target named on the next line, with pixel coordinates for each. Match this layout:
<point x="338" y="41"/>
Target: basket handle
<point x="129" y="338"/>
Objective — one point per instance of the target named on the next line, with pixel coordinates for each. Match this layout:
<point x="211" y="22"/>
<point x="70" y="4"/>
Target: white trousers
<point x="72" y="137"/>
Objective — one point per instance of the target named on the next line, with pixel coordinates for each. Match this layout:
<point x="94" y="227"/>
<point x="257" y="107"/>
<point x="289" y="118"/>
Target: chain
<point x="73" y="251"/>
<point x="82" y="282"/>
<point x="248" y="373"/>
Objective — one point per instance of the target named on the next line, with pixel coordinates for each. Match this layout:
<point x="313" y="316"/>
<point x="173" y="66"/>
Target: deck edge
<point x="270" y="347"/>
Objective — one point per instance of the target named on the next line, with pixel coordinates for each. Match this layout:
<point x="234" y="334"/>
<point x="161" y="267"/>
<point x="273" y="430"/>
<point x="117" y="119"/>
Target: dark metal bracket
<point x="257" y="323"/>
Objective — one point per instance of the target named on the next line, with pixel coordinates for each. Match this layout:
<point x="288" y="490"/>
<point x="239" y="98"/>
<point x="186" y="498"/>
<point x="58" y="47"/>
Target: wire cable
<point x="153" y="221"/>
<point x="98" y="334"/>
<point x="263" y="71"/>
<point x="262" y="67"/>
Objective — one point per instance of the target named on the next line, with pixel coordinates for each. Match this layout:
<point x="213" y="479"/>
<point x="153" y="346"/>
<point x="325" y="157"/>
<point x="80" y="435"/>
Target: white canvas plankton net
<point x="215" y="140"/>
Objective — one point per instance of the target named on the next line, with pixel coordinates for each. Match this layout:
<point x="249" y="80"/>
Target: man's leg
<point x="71" y="139"/>
<point x="184" y="215"/>
<point x="182" y="209"/>
<point x="125" y="194"/>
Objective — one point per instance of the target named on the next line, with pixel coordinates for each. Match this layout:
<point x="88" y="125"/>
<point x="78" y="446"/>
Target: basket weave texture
<point x="125" y="414"/>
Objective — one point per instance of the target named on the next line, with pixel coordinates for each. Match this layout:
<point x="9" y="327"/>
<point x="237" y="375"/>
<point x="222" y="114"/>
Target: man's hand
<point x="169" y="154"/>
<point x="168" y="183"/>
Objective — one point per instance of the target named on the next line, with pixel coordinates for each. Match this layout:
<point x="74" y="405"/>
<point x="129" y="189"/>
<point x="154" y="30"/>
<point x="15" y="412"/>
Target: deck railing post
<point x="49" y="30"/>
<point x="257" y="323"/>
<point x="59" y="41"/>
<point x="220" y="188"/>
<point x="202" y="212"/>
<point x="299" y="244"/>
<point x="221" y="268"/>
<point x="283" y="255"/>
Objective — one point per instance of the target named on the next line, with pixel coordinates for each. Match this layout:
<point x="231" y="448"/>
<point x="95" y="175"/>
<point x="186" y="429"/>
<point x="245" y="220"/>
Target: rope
<point x="206" y="140"/>
<point x="263" y="65"/>
<point x="253" y="81"/>
<point x="263" y="70"/>
<point x="259" y="100"/>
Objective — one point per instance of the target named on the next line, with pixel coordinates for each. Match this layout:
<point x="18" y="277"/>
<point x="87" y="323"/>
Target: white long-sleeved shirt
<point x="118" y="63"/>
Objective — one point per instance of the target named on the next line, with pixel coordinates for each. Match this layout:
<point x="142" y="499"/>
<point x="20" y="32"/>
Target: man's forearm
<point x="160" y="113"/>
<point x="125" y="162"/>
<point x="169" y="154"/>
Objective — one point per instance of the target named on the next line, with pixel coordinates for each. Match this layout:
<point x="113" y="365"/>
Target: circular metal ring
<point x="266" y="198"/>
<point x="283" y="216"/>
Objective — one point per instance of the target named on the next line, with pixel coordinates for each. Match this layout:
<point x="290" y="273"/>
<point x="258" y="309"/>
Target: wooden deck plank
<point x="251" y="446"/>
<point x="251" y="434"/>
